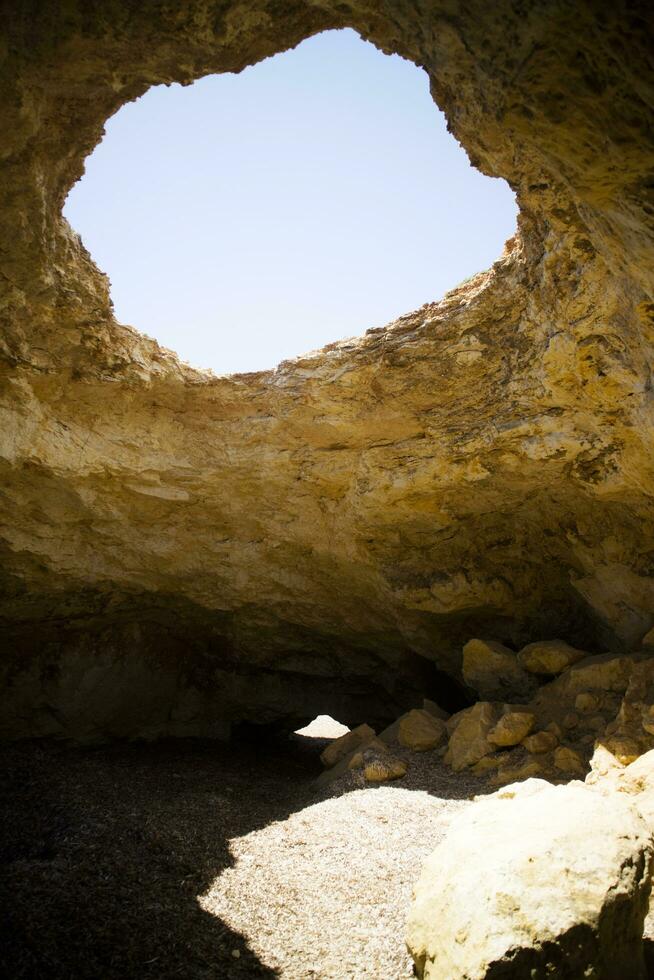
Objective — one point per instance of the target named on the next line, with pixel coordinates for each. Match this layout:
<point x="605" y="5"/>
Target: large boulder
<point x="494" y="671"/>
<point x="469" y="731"/>
<point x="549" y="657"/>
<point x="420" y="730"/>
<point x="536" y="881"/>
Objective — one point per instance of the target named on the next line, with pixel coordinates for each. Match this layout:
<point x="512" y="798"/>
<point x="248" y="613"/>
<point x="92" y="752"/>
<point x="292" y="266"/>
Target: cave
<point x="187" y="557"/>
<point x="182" y="552"/>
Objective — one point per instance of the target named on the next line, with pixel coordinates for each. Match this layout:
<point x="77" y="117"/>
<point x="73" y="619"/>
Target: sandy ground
<point x="200" y="860"/>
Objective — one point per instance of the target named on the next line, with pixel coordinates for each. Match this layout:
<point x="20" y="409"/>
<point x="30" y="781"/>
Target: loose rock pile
<point x="543" y="711"/>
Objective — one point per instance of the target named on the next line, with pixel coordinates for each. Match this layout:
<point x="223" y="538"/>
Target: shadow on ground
<point x="104" y="851"/>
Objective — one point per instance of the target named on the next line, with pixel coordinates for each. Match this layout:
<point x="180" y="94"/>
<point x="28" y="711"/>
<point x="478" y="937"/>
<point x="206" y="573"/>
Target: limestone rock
<point x="494" y="672"/>
<point x="345" y="745"/>
<point x="512" y="728"/>
<point x="560" y="888"/>
<point x="515" y="770"/>
<point x="368" y="750"/>
<point x="468" y="741"/>
<point x="541" y="742"/>
<point x="419" y="730"/>
<point x="549" y="657"/>
<point x="384" y="769"/>
<point x="569" y="761"/>
<point x="182" y="551"/>
<point x="625" y="750"/>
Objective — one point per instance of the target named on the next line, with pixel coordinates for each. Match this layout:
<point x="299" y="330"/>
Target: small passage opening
<point x="324" y="726"/>
<point x="250" y="218"/>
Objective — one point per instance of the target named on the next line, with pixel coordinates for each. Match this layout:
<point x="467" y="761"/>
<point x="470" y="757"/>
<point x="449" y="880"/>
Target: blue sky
<point x="250" y="218"/>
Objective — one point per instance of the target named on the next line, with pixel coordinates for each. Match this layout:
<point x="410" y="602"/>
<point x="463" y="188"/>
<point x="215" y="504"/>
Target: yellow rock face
<point x="540" y="742"/>
<point x="469" y="737"/>
<point x="182" y="550"/>
<point x="569" y="761"/>
<point x="346" y="744"/>
<point x="383" y="770"/>
<point x="549" y="657"/>
<point x="420" y="730"/>
<point x="494" y="671"/>
<point x="512" y="728"/>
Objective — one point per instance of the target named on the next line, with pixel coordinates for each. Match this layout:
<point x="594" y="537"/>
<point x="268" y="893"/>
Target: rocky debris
<point x="345" y="745"/>
<point x="382" y="770"/>
<point x="541" y="742"/>
<point x="560" y="884"/>
<point x="469" y="730"/>
<point x="494" y="671"/>
<point x="512" y="728"/>
<point x="549" y="657"/>
<point x="596" y="701"/>
<point x="421" y="730"/>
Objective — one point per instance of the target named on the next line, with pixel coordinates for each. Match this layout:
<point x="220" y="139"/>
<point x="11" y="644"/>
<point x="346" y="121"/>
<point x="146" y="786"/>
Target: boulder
<point x="569" y="761"/>
<point x="518" y="768"/>
<point x="469" y="735"/>
<point x="538" y="881"/>
<point x="419" y="730"/>
<point x="512" y="728"/>
<point x="540" y="742"/>
<point x="382" y="770"/>
<point x="346" y="744"/>
<point x="549" y="657"/>
<point x="494" y="672"/>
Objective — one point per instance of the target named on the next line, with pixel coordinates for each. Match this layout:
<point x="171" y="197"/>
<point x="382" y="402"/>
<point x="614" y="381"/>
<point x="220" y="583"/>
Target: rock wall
<point x="197" y="550"/>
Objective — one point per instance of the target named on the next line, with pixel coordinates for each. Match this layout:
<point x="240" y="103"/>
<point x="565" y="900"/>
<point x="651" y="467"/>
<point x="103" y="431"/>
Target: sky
<point x="250" y="218"/>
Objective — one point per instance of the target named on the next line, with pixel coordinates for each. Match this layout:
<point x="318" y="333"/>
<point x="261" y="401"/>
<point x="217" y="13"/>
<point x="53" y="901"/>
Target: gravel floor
<point x="199" y="860"/>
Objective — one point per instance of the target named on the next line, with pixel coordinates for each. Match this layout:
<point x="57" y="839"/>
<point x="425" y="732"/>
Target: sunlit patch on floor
<point x="323" y="727"/>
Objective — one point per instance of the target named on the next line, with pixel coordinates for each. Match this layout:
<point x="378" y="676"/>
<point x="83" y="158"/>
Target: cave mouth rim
<point x="161" y="352"/>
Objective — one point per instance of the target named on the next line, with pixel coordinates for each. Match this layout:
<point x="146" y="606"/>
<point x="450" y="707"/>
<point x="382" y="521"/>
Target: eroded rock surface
<point x="561" y="884"/>
<point x="179" y="550"/>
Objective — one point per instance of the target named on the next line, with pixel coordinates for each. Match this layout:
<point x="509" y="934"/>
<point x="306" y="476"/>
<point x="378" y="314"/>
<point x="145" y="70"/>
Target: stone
<point x="512" y="728"/>
<point x="514" y="771"/>
<point x="586" y="702"/>
<point x="369" y="750"/>
<point x="385" y="769"/>
<point x="494" y="672"/>
<point x="626" y="750"/>
<point x="345" y="745"/>
<point x="569" y="761"/>
<point x="602" y="764"/>
<point x="468" y="741"/>
<point x="490" y="762"/>
<point x="419" y="730"/>
<point x="570" y="720"/>
<point x="540" y="742"/>
<point x="549" y="657"/>
<point x="647" y="719"/>
<point x="538" y="882"/>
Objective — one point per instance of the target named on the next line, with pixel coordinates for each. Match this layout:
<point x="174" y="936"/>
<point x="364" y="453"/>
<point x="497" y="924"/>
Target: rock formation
<point x="183" y="551"/>
<point x="560" y="881"/>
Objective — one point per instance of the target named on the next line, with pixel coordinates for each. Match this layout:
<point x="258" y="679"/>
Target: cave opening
<point x="247" y="219"/>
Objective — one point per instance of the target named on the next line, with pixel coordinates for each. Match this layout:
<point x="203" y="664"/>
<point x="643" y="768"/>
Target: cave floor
<point x="196" y="859"/>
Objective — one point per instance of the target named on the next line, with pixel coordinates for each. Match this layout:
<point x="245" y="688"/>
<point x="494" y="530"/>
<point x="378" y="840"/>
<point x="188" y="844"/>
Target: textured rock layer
<point x="182" y="550"/>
